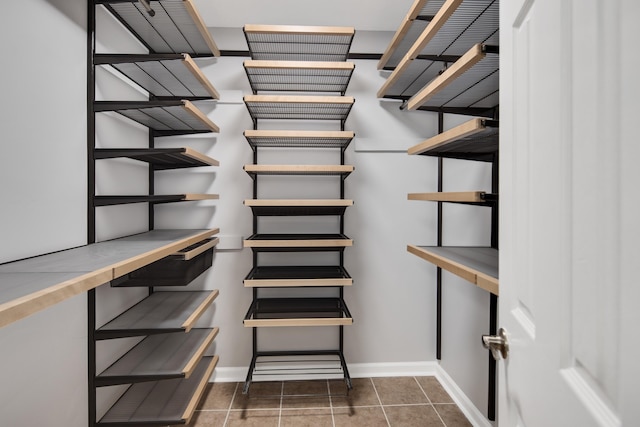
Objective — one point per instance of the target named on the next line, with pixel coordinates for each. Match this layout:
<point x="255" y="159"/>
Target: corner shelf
<point x="160" y="312"/>
<point x="298" y="76"/>
<point x="164" y="117"/>
<point x="34" y="284"/>
<point x="468" y="197"/>
<point x="469" y="86"/>
<point x="176" y="26"/>
<point x="161" y="402"/>
<point x="298" y="43"/>
<point x="162" y="75"/>
<point x="297" y="276"/>
<point x="478" y="265"/>
<point x="336" y="170"/>
<point x="295" y="107"/>
<point x="265" y="207"/>
<point x="452" y="30"/>
<point x="160" y="158"/>
<point x="159" y="357"/>
<point x="286" y="242"/>
<point x="280" y="312"/>
<point x="476" y="139"/>
<point x="298" y="138"/>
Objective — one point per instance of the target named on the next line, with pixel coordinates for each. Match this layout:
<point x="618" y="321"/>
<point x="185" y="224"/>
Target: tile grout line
<point x="226" y="418"/>
<point x="430" y="402"/>
<point x="380" y="401"/>
<point x="333" y="419"/>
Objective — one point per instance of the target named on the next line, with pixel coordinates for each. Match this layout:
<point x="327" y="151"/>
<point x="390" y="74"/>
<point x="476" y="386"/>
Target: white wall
<point x="43" y="191"/>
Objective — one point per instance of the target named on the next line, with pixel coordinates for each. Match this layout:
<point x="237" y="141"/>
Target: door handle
<point x="498" y="344"/>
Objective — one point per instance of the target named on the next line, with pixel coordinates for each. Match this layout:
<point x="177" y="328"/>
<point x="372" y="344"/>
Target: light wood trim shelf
<point x="316" y="65"/>
<point x="285" y="283"/>
<point x="186" y="256"/>
<point x="190" y="64"/>
<point x="190" y="152"/>
<point x="249" y="133"/>
<point x="191" y="197"/>
<point x="434" y="26"/>
<point x="299" y="29"/>
<point x="199" y="353"/>
<point x="401" y="32"/>
<point x="188" y="105"/>
<point x="294" y="243"/>
<point x="298" y="202"/>
<point x="301" y="169"/>
<point x="191" y="407"/>
<point x="191" y="320"/>
<point x="320" y="321"/>
<point x="468" y="60"/>
<point x="299" y="99"/>
<point x="457" y="196"/>
<point x="461" y="131"/>
<point x="466" y="272"/>
<point x="202" y="27"/>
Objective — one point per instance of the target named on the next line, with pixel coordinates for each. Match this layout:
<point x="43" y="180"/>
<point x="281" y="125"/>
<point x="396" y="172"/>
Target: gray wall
<point x="392" y="299"/>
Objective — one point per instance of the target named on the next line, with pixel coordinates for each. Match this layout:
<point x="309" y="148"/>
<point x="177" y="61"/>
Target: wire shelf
<point x="299" y="139"/>
<point x="298" y="76"/>
<point x="294" y="107"/>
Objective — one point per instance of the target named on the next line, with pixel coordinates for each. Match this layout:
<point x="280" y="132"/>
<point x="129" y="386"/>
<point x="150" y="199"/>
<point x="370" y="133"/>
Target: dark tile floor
<point x="385" y="402"/>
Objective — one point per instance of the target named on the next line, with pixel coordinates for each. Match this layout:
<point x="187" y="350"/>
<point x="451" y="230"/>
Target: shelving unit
<point x="298" y="59"/>
<point x="444" y="58"/>
<point x="169" y="368"/>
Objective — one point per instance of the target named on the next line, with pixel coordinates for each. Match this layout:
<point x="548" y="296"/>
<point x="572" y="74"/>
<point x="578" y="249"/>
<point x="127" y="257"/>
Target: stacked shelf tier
<point x="338" y="170"/>
<point x="160" y="158"/>
<point x="34" y="284"/>
<point x="297" y="242"/>
<point x="476" y="139"/>
<point x="263" y="207"/>
<point x="298" y="43"/>
<point x="298" y="76"/>
<point x="298" y="139"/>
<point x="469" y="86"/>
<point x="163" y="75"/>
<point x="164" y="117"/>
<point x="160" y="312"/>
<point x="279" y="312"/>
<point x="294" y="276"/>
<point x="174" y="27"/>
<point x="478" y="265"/>
<point x="468" y="197"/>
<point x="294" y="107"/>
<point x="161" y="402"/>
<point x="159" y="357"/>
<point x="456" y="26"/>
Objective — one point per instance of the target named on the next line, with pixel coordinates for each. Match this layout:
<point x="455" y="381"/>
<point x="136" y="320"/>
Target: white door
<point x="569" y="234"/>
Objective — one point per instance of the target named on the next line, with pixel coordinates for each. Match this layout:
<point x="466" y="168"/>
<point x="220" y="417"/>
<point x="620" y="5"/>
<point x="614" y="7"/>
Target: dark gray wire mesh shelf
<point x="160" y="403"/>
<point x="294" y="310"/>
<point x="298" y="207"/>
<point x="298" y="76"/>
<point x="298" y="43"/>
<point x="261" y="242"/>
<point x="477" y="139"/>
<point x="275" y="276"/>
<point x="168" y="75"/>
<point x="157" y="357"/>
<point x="318" y="170"/>
<point x="263" y="107"/>
<point x="160" y="312"/>
<point x="176" y="26"/>
<point x="164" y="117"/>
<point x="160" y="158"/>
<point x="299" y="139"/>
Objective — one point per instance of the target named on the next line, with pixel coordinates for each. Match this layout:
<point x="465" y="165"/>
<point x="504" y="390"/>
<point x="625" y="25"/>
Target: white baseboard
<point x="408" y="369"/>
<point x="464" y="403"/>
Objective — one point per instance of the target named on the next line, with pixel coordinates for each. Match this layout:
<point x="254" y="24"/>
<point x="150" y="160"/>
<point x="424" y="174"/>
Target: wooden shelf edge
<point x="196" y="155"/>
<point x="316" y="65"/>
<point x="488" y="283"/>
<point x="444" y="263"/>
<point x="468" y="60"/>
<point x="311" y="243"/>
<point x="195" y="112"/>
<point x="199" y="353"/>
<point x="298" y="202"/>
<point x="457" y="196"/>
<point x="299" y="29"/>
<point x="186" y="256"/>
<point x="190" y="64"/>
<point x="299" y="99"/>
<point x="191" y="407"/>
<point x="27" y="305"/>
<point x="192" y="197"/>
<point x="191" y="320"/>
<point x="285" y="283"/>
<point x="260" y="323"/>
<point x="204" y="31"/>
<point x="461" y="131"/>
<point x="299" y="168"/>
<point x="401" y="32"/>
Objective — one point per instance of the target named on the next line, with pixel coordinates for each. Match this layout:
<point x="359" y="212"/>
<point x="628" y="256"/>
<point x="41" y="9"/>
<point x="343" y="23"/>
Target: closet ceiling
<point x="364" y="15"/>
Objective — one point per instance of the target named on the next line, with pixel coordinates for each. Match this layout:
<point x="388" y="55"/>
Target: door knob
<point x="498" y="344"/>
